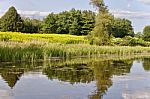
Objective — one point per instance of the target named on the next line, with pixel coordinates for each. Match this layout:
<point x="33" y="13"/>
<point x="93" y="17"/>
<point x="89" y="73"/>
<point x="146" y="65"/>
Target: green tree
<point x="101" y="34"/>
<point x="75" y="22"/>
<point x="99" y="5"/>
<point x="74" y="29"/>
<point x="49" y="24"/>
<point x="32" y="25"/>
<point x="139" y="35"/>
<point x="0" y="24"/>
<point x="88" y="22"/>
<point x="11" y="21"/>
<point x="63" y="23"/>
<point x="146" y="33"/>
<point x="122" y="28"/>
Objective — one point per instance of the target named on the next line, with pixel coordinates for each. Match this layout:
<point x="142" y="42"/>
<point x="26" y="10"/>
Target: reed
<point x="31" y="51"/>
<point x="32" y="47"/>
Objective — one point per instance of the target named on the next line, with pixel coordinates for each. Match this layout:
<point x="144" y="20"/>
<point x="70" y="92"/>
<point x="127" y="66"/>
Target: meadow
<point x="51" y="38"/>
<point x="32" y="47"/>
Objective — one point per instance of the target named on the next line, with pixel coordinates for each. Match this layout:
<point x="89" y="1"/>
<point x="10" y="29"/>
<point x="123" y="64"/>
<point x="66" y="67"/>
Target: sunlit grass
<point x="52" y="38"/>
<point x="12" y="51"/>
<point x="31" y="47"/>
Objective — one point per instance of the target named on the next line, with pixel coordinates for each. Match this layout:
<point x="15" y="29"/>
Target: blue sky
<point x="138" y="11"/>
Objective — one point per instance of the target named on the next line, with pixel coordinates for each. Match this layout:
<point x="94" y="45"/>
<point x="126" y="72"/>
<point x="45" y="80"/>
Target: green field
<point x="51" y="38"/>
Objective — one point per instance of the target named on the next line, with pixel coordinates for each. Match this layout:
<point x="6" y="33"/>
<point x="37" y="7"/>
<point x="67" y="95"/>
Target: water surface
<point x="76" y="79"/>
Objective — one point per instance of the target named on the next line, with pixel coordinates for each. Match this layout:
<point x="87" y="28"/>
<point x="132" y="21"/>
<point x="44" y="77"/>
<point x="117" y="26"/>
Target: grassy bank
<point x="12" y="51"/>
<point x="30" y="47"/>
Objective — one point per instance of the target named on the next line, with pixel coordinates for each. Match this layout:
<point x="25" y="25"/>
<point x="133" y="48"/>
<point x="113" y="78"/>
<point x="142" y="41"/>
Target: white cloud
<point x="136" y="95"/>
<point x="117" y="13"/>
<point x="30" y="14"/>
<point x="33" y="13"/>
<point x="131" y="14"/>
<point x="145" y="1"/>
<point x="129" y="5"/>
<point x="5" y="94"/>
<point x="1" y="13"/>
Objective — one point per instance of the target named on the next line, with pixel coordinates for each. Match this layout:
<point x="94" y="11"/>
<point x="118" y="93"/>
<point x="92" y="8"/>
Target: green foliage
<point x="100" y="5"/>
<point x="146" y="33"/>
<point x="122" y="28"/>
<point x="11" y="21"/>
<point x="101" y="34"/>
<point x="76" y="19"/>
<point x="107" y="26"/>
<point x="88" y="22"/>
<point x="130" y="41"/>
<point x="139" y="35"/>
<point x="75" y="22"/>
<point x="49" y="24"/>
<point x="31" y="25"/>
<point x="13" y="51"/>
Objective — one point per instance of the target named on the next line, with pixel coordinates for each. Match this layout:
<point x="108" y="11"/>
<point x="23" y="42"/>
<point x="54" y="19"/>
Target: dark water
<point x="76" y="79"/>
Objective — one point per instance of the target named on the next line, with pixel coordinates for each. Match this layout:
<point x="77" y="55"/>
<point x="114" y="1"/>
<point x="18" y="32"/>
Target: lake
<point x="76" y="79"/>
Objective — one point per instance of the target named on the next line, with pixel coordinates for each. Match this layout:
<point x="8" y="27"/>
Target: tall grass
<point x="31" y="47"/>
<point x="12" y="51"/>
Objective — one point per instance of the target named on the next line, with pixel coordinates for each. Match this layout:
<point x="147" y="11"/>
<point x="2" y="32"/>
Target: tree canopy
<point x="75" y="22"/>
<point x="122" y="28"/>
<point x="146" y="33"/>
<point x="11" y="21"/>
<point x="101" y="33"/>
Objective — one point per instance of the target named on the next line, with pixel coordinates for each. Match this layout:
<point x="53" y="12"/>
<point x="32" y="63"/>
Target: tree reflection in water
<point x="146" y="64"/>
<point x="103" y="72"/>
<point x="73" y="72"/>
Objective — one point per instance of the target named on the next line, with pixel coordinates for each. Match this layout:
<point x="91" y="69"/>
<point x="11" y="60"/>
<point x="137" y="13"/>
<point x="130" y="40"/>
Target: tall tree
<point x="101" y="33"/>
<point x="11" y="21"/>
<point x="76" y="19"/>
<point x="88" y="22"/>
<point x="122" y="28"/>
<point x="75" y="22"/>
<point x="63" y="22"/>
<point x="31" y="25"/>
<point x="50" y="25"/>
<point x="146" y="33"/>
<point x="99" y="5"/>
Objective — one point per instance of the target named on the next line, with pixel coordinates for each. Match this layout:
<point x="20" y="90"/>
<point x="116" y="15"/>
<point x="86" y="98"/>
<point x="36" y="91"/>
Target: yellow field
<point x="52" y="38"/>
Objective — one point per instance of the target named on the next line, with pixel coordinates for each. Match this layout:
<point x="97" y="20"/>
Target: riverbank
<point x="32" y="47"/>
<point x="31" y="51"/>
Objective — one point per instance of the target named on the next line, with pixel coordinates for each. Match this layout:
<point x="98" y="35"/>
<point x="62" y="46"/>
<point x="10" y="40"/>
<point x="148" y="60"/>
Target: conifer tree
<point x="11" y="21"/>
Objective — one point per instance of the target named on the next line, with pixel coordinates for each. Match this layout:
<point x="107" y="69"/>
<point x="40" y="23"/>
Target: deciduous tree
<point x="101" y="33"/>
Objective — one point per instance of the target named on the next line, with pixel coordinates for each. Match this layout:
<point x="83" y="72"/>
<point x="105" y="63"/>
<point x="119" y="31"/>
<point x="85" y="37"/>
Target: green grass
<point x="10" y="51"/>
<point x="31" y="47"/>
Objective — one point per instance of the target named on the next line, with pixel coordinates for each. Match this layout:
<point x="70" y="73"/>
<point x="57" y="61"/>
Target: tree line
<point x="74" y="22"/>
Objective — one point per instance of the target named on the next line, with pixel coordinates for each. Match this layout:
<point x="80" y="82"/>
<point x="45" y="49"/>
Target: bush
<point x="130" y="41"/>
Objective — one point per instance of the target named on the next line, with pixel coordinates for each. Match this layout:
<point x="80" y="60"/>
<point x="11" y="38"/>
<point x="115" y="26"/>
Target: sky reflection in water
<point x="117" y="79"/>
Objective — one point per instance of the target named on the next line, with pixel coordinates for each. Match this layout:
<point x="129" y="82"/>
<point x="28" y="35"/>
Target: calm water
<point x="76" y="79"/>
